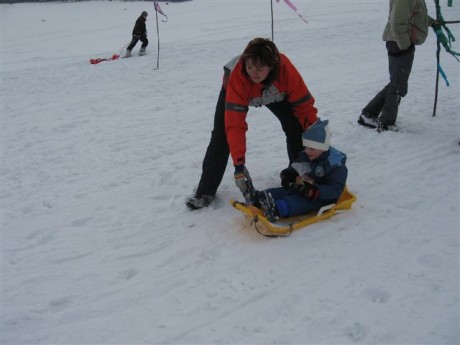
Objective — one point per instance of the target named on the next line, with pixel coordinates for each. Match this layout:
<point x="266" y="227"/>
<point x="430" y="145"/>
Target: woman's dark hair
<point x="263" y="52"/>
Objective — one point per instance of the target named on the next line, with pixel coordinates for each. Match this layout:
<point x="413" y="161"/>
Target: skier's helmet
<point x="144" y="14"/>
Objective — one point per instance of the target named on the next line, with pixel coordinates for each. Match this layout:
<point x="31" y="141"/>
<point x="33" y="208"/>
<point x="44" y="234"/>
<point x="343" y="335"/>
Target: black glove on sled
<point x="288" y="176"/>
<point x="309" y="190"/>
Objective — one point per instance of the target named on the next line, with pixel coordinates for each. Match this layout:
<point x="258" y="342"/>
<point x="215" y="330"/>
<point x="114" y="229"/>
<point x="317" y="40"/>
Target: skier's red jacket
<point x="242" y="92"/>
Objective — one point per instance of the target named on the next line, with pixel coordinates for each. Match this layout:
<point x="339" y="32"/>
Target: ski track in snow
<point x="97" y="161"/>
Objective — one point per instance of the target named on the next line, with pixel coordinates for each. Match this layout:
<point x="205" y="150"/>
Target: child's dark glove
<point x="308" y="189"/>
<point x="288" y="176"/>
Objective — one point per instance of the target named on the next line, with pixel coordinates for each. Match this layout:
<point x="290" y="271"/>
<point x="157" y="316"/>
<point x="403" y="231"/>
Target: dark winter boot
<point x="268" y="206"/>
<point x="199" y="201"/>
<point x="384" y="127"/>
<point x="368" y="121"/>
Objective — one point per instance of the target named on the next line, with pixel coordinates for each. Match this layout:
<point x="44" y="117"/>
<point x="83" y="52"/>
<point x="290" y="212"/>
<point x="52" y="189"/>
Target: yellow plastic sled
<point x="285" y="226"/>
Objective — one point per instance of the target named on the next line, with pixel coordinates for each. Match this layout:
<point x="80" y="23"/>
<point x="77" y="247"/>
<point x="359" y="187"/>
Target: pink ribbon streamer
<point x="292" y="6"/>
<point x="158" y="9"/>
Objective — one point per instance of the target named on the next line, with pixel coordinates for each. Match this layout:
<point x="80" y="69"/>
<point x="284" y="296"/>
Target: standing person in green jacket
<point x="408" y="24"/>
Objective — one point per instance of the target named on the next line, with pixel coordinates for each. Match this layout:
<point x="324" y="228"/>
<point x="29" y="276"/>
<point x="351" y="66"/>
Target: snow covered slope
<point x="97" y="161"/>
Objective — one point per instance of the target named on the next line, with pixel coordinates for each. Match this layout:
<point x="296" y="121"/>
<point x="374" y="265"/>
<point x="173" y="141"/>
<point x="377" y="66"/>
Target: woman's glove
<point x="242" y="178"/>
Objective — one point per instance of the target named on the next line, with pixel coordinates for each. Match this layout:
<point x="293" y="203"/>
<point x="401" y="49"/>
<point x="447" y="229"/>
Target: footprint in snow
<point x="58" y="304"/>
<point x="127" y="274"/>
<point x="357" y="332"/>
<point x="376" y="295"/>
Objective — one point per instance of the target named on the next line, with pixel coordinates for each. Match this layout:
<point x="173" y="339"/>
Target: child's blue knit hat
<point x="318" y="136"/>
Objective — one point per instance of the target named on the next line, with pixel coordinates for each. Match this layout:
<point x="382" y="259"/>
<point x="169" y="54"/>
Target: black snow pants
<point x="143" y="39"/>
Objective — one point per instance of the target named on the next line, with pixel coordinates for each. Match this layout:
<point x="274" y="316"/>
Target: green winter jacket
<point x="408" y="23"/>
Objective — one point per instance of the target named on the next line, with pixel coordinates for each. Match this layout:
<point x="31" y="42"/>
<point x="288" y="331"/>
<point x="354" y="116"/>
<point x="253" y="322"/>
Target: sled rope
<point x="254" y="222"/>
<point x="115" y="56"/>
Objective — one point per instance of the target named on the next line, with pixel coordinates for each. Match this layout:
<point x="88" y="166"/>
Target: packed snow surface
<point x="98" y="246"/>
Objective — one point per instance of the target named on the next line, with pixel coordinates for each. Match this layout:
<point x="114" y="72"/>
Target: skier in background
<point x="261" y="76"/>
<point x="139" y="33"/>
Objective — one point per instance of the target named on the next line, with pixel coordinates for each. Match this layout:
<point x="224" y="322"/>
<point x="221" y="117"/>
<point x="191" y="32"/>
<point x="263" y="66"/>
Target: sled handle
<point x="324" y="209"/>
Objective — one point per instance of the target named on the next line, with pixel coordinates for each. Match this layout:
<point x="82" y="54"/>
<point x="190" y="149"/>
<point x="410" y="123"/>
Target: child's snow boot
<point x="128" y="53"/>
<point x="142" y="51"/>
<point x="268" y="206"/>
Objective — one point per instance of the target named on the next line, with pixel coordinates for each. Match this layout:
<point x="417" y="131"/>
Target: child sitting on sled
<point x="316" y="178"/>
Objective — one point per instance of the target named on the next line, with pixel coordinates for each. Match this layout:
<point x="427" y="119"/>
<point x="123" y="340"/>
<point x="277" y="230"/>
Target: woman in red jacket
<point x="260" y="76"/>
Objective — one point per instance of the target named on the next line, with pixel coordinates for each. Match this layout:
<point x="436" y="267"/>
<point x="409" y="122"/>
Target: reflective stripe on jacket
<point x="242" y="92"/>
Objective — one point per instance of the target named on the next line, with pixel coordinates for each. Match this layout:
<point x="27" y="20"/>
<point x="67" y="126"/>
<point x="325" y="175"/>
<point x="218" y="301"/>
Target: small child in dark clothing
<point x="316" y="178"/>
<point x="139" y="33"/>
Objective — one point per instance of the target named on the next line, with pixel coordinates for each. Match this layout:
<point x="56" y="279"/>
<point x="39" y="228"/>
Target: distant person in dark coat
<point x="139" y="33"/>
